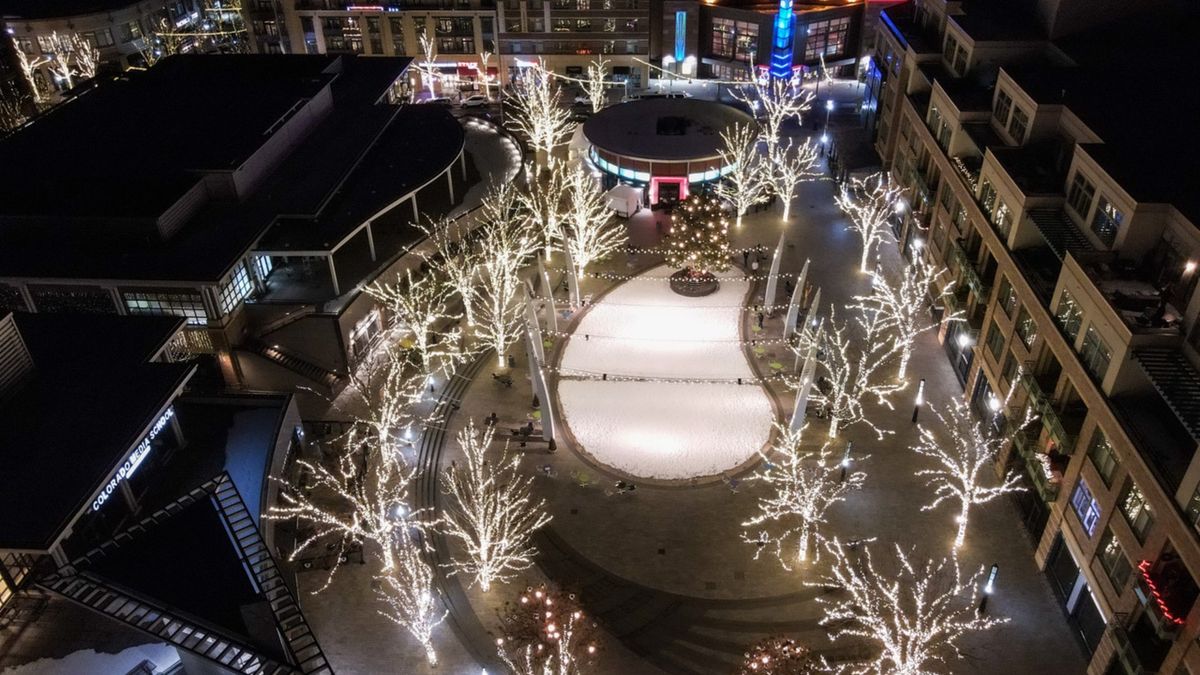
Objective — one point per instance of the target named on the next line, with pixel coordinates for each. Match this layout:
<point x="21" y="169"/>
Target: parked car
<point x="583" y="99"/>
<point x="437" y="100"/>
<point x="476" y="101"/>
<point x="646" y="95"/>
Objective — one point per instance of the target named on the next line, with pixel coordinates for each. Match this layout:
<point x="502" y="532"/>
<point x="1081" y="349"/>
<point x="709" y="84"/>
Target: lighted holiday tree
<point x="779" y="655"/>
<point x="698" y="243"/>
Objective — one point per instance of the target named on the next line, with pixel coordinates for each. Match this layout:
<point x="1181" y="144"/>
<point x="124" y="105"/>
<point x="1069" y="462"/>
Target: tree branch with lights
<point x="780" y="99"/>
<point x="903" y="305"/>
<point x="869" y="203"/>
<point x="538" y="113"/>
<point x="546" y="632"/>
<point x="587" y="232"/>
<point x="454" y="260"/>
<point x="802" y="486"/>
<point x="915" y="613"/>
<point x="779" y="655"/>
<point x="491" y="511"/>
<point x="962" y="462"/>
<point x="418" y="308"/>
<point x="746" y="184"/>
<point x="542" y="202"/>
<point x="597" y="83"/>
<point x="506" y="244"/>
<point x="408" y="594"/>
<point x="790" y="165"/>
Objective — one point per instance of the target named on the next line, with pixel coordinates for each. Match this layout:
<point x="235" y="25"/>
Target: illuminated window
<point x="1006" y="297"/>
<point x="235" y="289"/>
<point x="1137" y="511"/>
<point x="1086" y="507"/>
<point x="1069" y="315"/>
<point x="827" y="38"/>
<point x="1112" y="559"/>
<point x="736" y="40"/>
<point x="187" y="304"/>
<point x="1107" y="221"/>
<point x="1026" y="328"/>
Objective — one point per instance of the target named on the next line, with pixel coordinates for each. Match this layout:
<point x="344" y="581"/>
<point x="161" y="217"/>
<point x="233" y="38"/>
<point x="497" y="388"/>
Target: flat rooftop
<point x="48" y="9"/>
<point x="92" y="394"/>
<point x="663" y="128"/>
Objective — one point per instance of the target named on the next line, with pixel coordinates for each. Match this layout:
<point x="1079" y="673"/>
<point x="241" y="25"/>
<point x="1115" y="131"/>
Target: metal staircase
<point x="75" y="583"/>
<point x="294" y="362"/>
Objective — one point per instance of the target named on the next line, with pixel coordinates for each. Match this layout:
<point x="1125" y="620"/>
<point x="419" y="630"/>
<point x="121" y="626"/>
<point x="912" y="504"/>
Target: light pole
<point x="920" y="400"/>
<point x="846" y="461"/>
<point x="989" y="587"/>
<point x="828" y="112"/>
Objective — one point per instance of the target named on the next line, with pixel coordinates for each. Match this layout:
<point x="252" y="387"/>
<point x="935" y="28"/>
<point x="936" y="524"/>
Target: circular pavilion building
<point x="666" y="144"/>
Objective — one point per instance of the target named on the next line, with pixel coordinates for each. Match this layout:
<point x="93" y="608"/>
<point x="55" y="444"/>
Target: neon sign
<point x="1144" y="568"/>
<point x="134" y="460"/>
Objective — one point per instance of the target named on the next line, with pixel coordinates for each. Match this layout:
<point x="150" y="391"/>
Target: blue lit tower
<point x="781" y="46"/>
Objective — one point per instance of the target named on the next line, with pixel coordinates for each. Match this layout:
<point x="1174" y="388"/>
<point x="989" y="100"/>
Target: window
<point x="1006" y="297"/>
<point x="187" y="304"/>
<point x="1009" y="373"/>
<point x="1136" y="511"/>
<point x="1069" y="315"/>
<point x="1079" y="197"/>
<point x="1095" y="354"/>
<point x="1103" y="457"/>
<point x="826" y="38"/>
<point x="1086" y="507"/>
<point x="1018" y="125"/>
<point x="995" y="341"/>
<point x="397" y="27"/>
<point x="1193" y="509"/>
<point x="947" y="199"/>
<point x="263" y="264"/>
<point x="1107" y="221"/>
<point x="1112" y="559"/>
<point x="1002" y="219"/>
<point x="987" y="196"/>
<point x="1002" y="107"/>
<point x="129" y="32"/>
<point x="737" y="40"/>
<point x="102" y="38"/>
<point x="510" y="25"/>
<point x="453" y="25"/>
<point x="1026" y="328"/>
<point x="456" y="45"/>
<point x="235" y="289"/>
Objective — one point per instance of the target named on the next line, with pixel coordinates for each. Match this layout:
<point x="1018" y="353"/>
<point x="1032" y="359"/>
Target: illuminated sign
<point x="680" y="35"/>
<point x="134" y="460"/>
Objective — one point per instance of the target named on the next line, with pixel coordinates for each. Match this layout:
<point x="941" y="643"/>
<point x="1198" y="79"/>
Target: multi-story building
<point x="1052" y="173"/>
<point x="459" y="32"/>
<point x="260" y="228"/>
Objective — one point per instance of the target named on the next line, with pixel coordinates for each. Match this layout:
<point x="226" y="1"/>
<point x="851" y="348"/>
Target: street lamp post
<point x="989" y="587"/>
<point x="920" y="400"/>
<point x="828" y="112"/>
<point x="846" y="461"/>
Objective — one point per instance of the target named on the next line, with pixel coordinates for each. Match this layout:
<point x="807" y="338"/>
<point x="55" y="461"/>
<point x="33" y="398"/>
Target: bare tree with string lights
<point x="13" y="105"/>
<point x="780" y="99"/>
<point x="587" y="231"/>
<point x="86" y="56"/>
<point x="963" y="462"/>
<point x="546" y="632"/>
<point x="903" y="304"/>
<point x="597" y="83"/>
<point x="537" y="112"/>
<point x="428" y="65"/>
<point x="506" y="245"/>
<point x="790" y="165"/>
<point x="747" y="181"/>
<point x="418" y="308"/>
<point x="491" y="511"/>
<point x="780" y="655"/>
<point x="542" y="201"/>
<point x="869" y="203"/>
<point x="914" y="613"/>
<point x="60" y="48"/>
<point x="454" y="260"/>
<point x="28" y="66"/>
<point x="408" y="594"/>
<point x="851" y="368"/>
<point x="802" y="485"/>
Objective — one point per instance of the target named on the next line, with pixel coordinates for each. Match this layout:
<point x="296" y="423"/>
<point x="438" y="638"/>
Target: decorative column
<point x="806" y="384"/>
<point x="572" y="280"/>
<point x="793" y="312"/>
<point x="773" y="278"/>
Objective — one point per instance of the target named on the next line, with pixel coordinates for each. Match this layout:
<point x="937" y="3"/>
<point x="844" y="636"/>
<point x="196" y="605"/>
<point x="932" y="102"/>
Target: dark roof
<point x="1032" y="168"/>
<point x="647" y="129"/>
<point x="399" y="162"/>
<point x="901" y="21"/>
<point x="998" y="20"/>
<point x="49" y="9"/>
<point x="91" y="396"/>
<point x="207" y="245"/>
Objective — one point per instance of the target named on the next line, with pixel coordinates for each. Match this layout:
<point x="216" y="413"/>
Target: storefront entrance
<point x="668" y="190"/>
<point x="1083" y="614"/>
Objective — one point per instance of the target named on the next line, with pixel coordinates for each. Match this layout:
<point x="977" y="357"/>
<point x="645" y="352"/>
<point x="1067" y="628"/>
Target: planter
<point x="685" y="283"/>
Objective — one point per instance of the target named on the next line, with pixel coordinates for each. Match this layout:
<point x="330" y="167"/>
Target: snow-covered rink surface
<point x="664" y="430"/>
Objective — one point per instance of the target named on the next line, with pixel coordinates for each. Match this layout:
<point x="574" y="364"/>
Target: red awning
<point x="463" y="71"/>
<point x="493" y="70"/>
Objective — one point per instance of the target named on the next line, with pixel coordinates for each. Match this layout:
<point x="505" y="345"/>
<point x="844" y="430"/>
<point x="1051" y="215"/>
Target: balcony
<point x="1167" y="591"/>
<point x="1060" y="232"/>
<point x="1039" y="466"/>
<point x="1177" y="381"/>
<point x="1134" y="294"/>
<point x="1062" y="422"/>
<point x="968" y="167"/>
<point x="981" y="288"/>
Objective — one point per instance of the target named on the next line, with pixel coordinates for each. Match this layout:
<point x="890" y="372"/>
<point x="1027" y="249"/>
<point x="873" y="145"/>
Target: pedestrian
<point x="788" y="287"/>
<point x="512" y="361"/>
<point x="492" y="419"/>
<point x="587" y="338"/>
<point x="760" y="320"/>
<point x="745" y="257"/>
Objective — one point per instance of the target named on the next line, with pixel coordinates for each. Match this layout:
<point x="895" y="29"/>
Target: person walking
<point x="760" y="320"/>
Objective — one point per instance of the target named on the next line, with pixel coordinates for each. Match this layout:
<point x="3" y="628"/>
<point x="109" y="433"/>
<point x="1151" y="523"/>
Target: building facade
<point x="1071" y="237"/>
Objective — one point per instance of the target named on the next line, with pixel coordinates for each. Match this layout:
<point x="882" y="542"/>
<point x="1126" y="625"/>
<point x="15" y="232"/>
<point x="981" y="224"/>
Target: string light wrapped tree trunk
<point x="546" y="632"/>
<point x="698" y="243"/>
<point x="61" y="57"/>
<point x="963" y="460"/>
<point x="491" y="511"/>
<point x="86" y="56"/>
<point x="428" y="65"/>
<point x="537" y="112"/>
<point x="597" y="83"/>
<point x="13" y="104"/>
<point x="902" y="305"/>
<point x="454" y="260"/>
<point x="417" y="308"/>
<point x="869" y="203"/>
<point x="543" y="203"/>
<point x="28" y="66"/>
<point x="408" y="594"/>
<point x="588" y="234"/>
<point x="802" y="486"/>
<point x="506" y="244"/>
<point x="792" y="164"/>
<point x="852" y="369"/>
<point x="916" y="614"/>
<point x="746" y="184"/>
<point x="780" y="99"/>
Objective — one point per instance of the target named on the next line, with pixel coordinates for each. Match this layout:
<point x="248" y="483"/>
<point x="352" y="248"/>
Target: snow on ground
<point x="665" y="430"/>
<point x="91" y="662"/>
